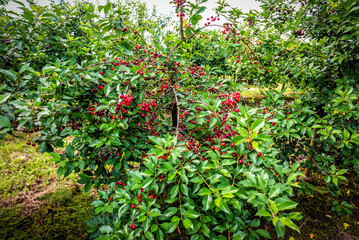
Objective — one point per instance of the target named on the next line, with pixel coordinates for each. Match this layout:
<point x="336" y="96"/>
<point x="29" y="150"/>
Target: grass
<point x="253" y="92"/>
<point x="34" y="203"/>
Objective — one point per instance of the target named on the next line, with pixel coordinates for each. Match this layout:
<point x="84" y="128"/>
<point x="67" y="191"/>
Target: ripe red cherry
<point x="273" y="123"/>
<point x="232" y="144"/>
<point x="358" y="132"/>
<point x="139" y="124"/>
<point x="240" y="161"/>
<point x="140" y="196"/>
<point x="133" y="206"/>
<point x="237" y="110"/>
<point x="248" y="164"/>
<point x="213" y="148"/>
<point x="114" y="117"/>
<point x="140" y="200"/>
<point x="199" y="128"/>
<point x="101" y="72"/>
<point x="259" y="154"/>
<point x="152" y="197"/>
<point x="28" y="143"/>
<point x="124" y="184"/>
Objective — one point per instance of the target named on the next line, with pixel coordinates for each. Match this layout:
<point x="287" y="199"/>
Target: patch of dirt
<point x="28" y="199"/>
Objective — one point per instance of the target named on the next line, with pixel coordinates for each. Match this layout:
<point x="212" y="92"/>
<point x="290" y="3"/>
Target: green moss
<point x="61" y="208"/>
<point x="55" y="220"/>
<point x="319" y="221"/>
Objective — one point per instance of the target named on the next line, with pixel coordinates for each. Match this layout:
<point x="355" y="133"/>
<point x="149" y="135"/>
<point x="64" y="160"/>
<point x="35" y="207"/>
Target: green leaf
<point x="127" y="69"/>
<point x="240" y="235"/>
<point x="287" y="222"/>
<point x="172" y="226"/>
<point x="61" y="171"/>
<point x="212" y="123"/>
<point x="251" y="177"/>
<point x="207" y="200"/>
<point x="346" y="134"/>
<point x="8" y="73"/>
<point x="206" y="230"/>
<point x="263" y="137"/>
<point x="107" y="89"/>
<point x="238" y="139"/>
<point x="123" y="209"/>
<point x="154" y="228"/>
<point x="147" y="182"/>
<point x="187" y="223"/>
<point x="149" y="235"/>
<point x="184" y="188"/>
<point x="201" y="10"/>
<point x="263" y="213"/>
<point x="204" y="191"/>
<point x="310" y="132"/>
<point x="4" y="121"/>
<point x="91" y="16"/>
<point x="106" y="229"/>
<point x="274" y="191"/>
<point x="257" y="125"/>
<point x="222" y="204"/>
<point x="263" y="233"/>
<point x="286" y="205"/>
<point x="280" y="229"/>
<point x="3" y="98"/>
<point x="273" y="206"/>
<point x="169" y="212"/>
<point x="97" y="203"/>
<point x="191" y="214"/>
<point x="174" y="191"/>
<point x="70" y="151"/>
<point x="81" y="164"/>
<point x="155" y="212"/>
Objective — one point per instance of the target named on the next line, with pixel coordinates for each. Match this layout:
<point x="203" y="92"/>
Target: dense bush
<point x="151" y="115"/>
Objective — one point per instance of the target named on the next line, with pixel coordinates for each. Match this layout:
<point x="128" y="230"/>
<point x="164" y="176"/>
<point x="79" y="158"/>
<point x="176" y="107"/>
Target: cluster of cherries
<point x="212" y="19"/>
<point x="300" y="33"/>
<point x="180" y="5"/>
<point x="197" y="71"/>
<point x="126" y="100"/>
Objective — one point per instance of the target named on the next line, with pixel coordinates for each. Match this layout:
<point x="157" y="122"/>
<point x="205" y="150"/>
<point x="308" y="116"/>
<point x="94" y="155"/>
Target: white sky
<point x="163" y="6"/>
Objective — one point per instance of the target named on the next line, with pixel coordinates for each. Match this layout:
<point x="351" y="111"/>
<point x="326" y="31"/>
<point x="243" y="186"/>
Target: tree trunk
<point x="174" y="116"/>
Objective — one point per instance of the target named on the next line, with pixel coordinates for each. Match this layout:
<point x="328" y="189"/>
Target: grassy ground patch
<point x="34" y="203"/>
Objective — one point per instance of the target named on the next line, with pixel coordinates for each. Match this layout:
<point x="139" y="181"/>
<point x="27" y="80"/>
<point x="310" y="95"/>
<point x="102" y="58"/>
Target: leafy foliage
<point x="152" y="116"/>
